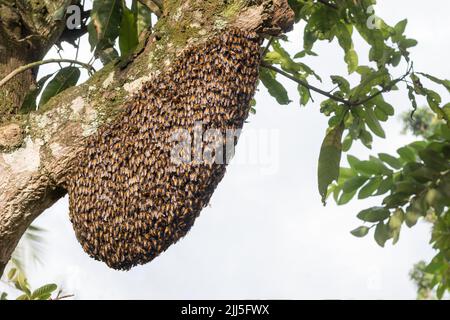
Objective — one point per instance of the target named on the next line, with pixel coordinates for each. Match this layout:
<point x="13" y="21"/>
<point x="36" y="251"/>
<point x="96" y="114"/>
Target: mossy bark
<point x="33" y="173"/>
<point x="27" y="30"/>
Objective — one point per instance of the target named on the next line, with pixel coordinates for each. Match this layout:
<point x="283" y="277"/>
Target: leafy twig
<point x="348" y="103"/>
<point x="305" y="84"/>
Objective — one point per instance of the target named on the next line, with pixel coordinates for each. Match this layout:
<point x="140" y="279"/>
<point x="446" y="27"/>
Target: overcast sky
<point x="266" y="233"/>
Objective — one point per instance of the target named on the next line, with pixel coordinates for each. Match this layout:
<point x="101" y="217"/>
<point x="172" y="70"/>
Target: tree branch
<point x="33" y="176"/>
<point x="327" y="94"/>
<point x="39" y="63"/>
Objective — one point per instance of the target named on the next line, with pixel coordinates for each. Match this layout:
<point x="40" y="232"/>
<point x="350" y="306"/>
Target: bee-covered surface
<point x="129" y="200"/>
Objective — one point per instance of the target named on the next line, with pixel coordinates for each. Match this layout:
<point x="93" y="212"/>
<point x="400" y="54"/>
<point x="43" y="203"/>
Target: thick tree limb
<point x="34" y="169"/>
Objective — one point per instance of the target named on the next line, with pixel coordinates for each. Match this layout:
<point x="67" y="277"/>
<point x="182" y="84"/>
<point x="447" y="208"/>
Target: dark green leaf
<point x="143" y="16"/>
<point x="390" y="160"/>
<point x="275" y="88"/>
<point x="329" y="160"/>
<point x="128" y="34"/>
<point x="354" y="184"/>
<point x="104" y="27"/>
<point x="369" y="189"/>
<point x="371" y="120"/>
<point x="29" y="104"/>
<point x="385" y="185"/>
<point x="374" y="214"/>
<point x="381" y="234"/>
<point x="407" y="154"/>
<point x="65" y="78"/>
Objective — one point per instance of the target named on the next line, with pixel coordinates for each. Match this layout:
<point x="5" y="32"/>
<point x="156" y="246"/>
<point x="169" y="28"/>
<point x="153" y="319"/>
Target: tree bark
<point x="38" y="148"/>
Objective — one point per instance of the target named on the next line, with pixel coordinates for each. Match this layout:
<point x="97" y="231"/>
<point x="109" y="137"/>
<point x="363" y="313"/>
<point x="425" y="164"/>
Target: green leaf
<point x="29" y="104"/>
<point x="351" y="58"/>
<point x="360" y="231"/>
<point x="366" y="138"/>
<point x="385" y="185"/>
<point x="329" y="160"/>
<point x="372" y="167"/>
<point x="412" y="97"/>
<point x="12" y="273"/>
<point x="411" y="218"/>
<point x="407" y="154"/>
<point x="374" y="214"/>
<point x="347" y="143"/>
<point x="381" y="234"/>
<point x="275" y="88"/>
<point x="384" y="106"/>
<point x="368" y="82"/>
<point x="3" y="296"/>
<point x="104" y="27"/>
<point x="143" y="16"/>
<point x="344" y="34"/>
<point x="343" y="84"/>
<point x="21" y="283"/>
<point x="434" y="160"/>
<point x="346" y="197"/>
<point x="395" y="200"/>
<point x="304" y="95"/>
<point x="424" y="174"/>
<point x="407" y="43"/>
<point x="128" y="34"/>
<point x="445" y="83"/>
<point x="65" y="78"/>
<point x="399" y="29"/>
<point x="408" y="187"/>
<point x="369" y="189"/>
<point x="371" y="120"/>
<point x="390" y="160"/>
<point x="44" y="291"/>
<point x="354" y="184"/>
<point x="434" y="100"/>
<point x="440" y="291"/>
<point x="395" y="223"/>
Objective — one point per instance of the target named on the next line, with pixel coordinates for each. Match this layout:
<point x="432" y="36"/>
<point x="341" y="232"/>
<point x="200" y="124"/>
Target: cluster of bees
<point x="128" y="201"/>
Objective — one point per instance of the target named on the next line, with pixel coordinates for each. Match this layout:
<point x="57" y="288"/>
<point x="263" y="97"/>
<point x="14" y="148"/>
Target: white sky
<point x="266" y="234"/>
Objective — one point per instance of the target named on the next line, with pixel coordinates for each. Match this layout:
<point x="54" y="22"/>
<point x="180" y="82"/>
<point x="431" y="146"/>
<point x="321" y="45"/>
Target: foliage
<point x="16" y="279"/>
<point x="423" y="281"/>
<point x="415" y="182"/>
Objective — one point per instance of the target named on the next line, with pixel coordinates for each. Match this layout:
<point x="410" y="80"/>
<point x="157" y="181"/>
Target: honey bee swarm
<point x="128" y="200"/>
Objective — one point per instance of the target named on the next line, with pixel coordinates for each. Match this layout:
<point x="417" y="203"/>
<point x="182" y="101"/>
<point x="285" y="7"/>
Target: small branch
<point x="348" y="103"/>
<point x="266" y="49"/>
<point x="153" y="5"/>
<point x="386" y="89"/>
<point x="39" y="63"/>
<point x="63" y="297"/>
<point x="306" y="84"/>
